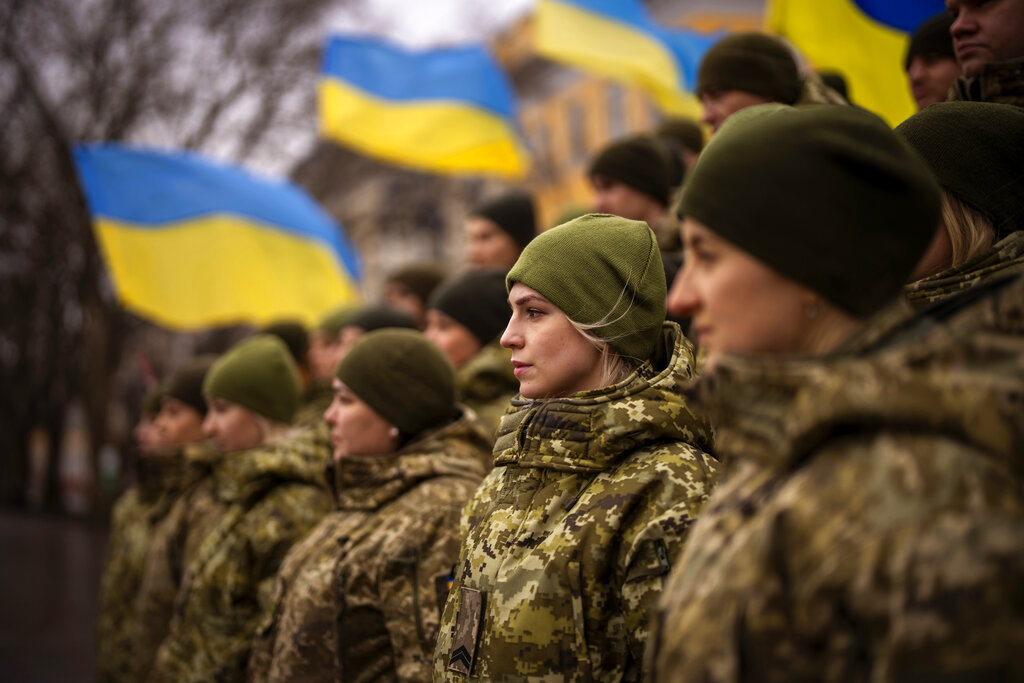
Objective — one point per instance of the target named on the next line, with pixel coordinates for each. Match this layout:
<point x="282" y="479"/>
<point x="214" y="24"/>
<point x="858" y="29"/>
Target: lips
<point x="520" y="368"/>
<point x="964" y="50"/>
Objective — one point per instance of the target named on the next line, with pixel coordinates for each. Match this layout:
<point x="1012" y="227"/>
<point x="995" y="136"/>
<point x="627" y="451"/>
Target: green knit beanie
<point x="601" y="268"/>
<point x="258" y="374"/>
<point x="976" y="149"/>
<point x="684" y="132"/>
<point x="186" y="382"/>
<point x="294" y="335"/>
<point x="828" y="196"/>
<point x="639" y="162"/>
<point x="403" y="377"/>
<point x="751" y="62"/>
<point x="477" y="300"/>
<point x="932" y="37"/>
<point x="336" y="319"/>
<point x="378" y="317"/>
<point x="514" y="213"/>
<point x="419" y="278"/>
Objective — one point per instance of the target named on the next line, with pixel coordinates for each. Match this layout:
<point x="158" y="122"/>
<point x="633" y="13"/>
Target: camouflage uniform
<point x="999" y="82"/>
<point x="568" y="540"/>
<point x="133" y="518"/>
<point x="1005" y="258"/>
<point x="173" y="542"/>
<point x="358" y="599"/>
<point x="870" y="523"/>
<point x="314" y="404"/>
<point x="271" y="497"/>
<point x="486" y="385"/>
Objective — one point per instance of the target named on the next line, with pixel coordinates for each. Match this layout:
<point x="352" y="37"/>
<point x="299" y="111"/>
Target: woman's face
<point x="737" y="303"/>
<point x="178" y="423"/>
<point x="488" y="246"/>
<point x="452" y="337"/>
<point x="356" y="428"/>
<point x="231" y="426"/>
<point x="551" y="358"/>
<point x="324" y="354"/>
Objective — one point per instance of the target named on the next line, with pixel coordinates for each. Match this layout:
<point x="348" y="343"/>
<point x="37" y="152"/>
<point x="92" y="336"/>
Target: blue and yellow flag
<point x="865" y="40"/>
<point x="450" y="110"/>
<point x="191" y="244"/>
<point x="618" y="39"/>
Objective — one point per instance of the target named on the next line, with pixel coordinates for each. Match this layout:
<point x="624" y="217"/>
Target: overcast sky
<point x="427" y="23"/>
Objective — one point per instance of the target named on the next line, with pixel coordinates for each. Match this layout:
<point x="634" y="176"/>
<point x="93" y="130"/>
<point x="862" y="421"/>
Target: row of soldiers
<point x="552" y="482"/>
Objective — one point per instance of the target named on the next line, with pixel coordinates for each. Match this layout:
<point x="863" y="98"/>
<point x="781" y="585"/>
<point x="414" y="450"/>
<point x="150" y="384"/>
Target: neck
<point x="830" y="329"/>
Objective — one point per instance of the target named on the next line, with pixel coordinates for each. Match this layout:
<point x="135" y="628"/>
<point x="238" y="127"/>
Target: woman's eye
<point x="533" y="312"/>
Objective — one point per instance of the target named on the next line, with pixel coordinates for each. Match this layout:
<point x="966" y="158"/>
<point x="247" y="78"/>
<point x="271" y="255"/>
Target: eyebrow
<point x="522" y="300"/>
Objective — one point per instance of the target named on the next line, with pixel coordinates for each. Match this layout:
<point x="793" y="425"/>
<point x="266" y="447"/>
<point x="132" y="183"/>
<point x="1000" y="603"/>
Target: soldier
<point x="989" y="41"/>
<point x="869" y="523"/>
<point x="465" y="320"/>
<point x="266" y="492"/>
<point x="408" y="289"/>
<point x="130" y="526"/>
<point x="931" y="64"/>
<point x="324" y="345"/>
<point x="294" y="335"/>
<point x="498" y="230"/>
<point x="746" y="69"/>
<point x="360" y="598"/>
<point x="975" y="150"/>
<point x="371" y="318"/>
<point x="598" y="469"/>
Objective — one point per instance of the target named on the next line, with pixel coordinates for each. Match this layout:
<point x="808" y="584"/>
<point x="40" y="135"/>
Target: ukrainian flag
<point x="191" y="244"/>
<point x="865" y="40"/>
<point x="618" y="39"/>
<point x="450" y="110"/>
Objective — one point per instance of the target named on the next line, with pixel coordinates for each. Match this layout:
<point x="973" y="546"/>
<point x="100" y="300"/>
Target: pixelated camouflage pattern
<point x="1004" y="259"/>
<point x="999" y="82"/>
<point x="173" y="541"/>
<point x="486" y="385"/>
<point x="357" y="600"/>
<point x="132" y="520"/>
<point x="269" y="497"/>
<point x="569" y="538"/>
<point x="869" y="521"/>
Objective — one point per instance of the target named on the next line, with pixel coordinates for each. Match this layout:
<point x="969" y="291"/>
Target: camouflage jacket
<point x="869" y="521"/>
<point x="132" y="520"/>
<point x="311" y="411"/>
<point x="486" y="384"/>
<point x="999" y="82"/>
<point x="269" y="498"/>
<point x="173" y="541"/>
<point x="1005" y="258"/>
<point x="569" y="539"/>
<point x="360" y="598"/>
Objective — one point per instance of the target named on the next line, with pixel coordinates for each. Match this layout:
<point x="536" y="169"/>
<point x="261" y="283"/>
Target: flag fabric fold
<point x="618" y="39"/>
<point x="449" y="110"/>
<point x="864" y="40"/>
<point x="190" y="243"/>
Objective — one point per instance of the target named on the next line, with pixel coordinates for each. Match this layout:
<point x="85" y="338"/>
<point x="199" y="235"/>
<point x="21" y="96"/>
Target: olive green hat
<point x="513" y="212"/>
<point x="294" y="335"/>
<point x="186" y="382"/>
<point x="684" y="132"/>
<point x="336" y="319"/>
<point x="259" y="374"/>
<point x="419" y="278"/>
<point x="601" y="269"/>
<point x="751" y="62"/>
<point x="477" y="300"/>
<point x="638" y="161"/>
<point x="932" y="37"/>
<point x="828" y="196"/>
<point x="976" y="149"/>
<point x="378" y="317"/>
<point x="403" y="377"/>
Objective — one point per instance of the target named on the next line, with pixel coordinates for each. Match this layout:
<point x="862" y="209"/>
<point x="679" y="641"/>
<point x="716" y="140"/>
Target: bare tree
<point x="233" y="78"/>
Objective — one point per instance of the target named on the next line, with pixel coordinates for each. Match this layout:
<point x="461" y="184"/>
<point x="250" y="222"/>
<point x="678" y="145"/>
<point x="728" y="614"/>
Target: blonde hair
<point x="614" y="368"/>
<point x="970" y="232"/>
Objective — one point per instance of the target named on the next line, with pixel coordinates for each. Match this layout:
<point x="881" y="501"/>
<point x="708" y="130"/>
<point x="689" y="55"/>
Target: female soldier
<point x="975" y="150"/>
<point x="598" y="468"/>
<point x="360" y="598"/>
<point x="264" y="492"/>
<point x="465" y="318"/>
<point x="869" y="524"/>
